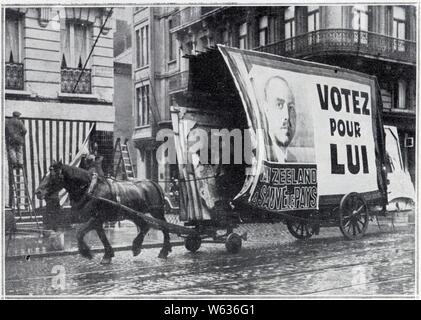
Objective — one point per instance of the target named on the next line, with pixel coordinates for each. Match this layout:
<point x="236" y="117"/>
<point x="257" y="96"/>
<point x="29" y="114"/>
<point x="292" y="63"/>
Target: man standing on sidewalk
<point x="15" y="139"/>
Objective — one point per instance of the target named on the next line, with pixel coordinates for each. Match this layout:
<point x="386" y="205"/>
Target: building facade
<point x="153" y="67"/>
<point x="123" y="89"/>
<point x="377" y="40"/>
<point x="62" y="88"/>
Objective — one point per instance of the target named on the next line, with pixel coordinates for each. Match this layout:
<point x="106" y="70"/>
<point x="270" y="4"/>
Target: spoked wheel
<point x="301" y="230"/>
<point x="233" y="243"/>
<point x="192" y="243"/>
<point x="353" y="216"/>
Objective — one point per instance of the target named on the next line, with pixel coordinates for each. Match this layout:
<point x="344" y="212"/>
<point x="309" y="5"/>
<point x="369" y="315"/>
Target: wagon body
<point x="330" y="143"/>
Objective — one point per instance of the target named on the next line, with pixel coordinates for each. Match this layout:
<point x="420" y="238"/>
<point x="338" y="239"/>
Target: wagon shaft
<point x="153" y="222"/>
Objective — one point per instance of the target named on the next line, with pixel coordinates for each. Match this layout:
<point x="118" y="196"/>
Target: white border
<point x="121" y="3"/>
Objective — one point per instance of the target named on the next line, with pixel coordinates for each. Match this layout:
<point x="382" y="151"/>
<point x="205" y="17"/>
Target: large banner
<point x="49" y="140"/>
<point x="313" y="129"/>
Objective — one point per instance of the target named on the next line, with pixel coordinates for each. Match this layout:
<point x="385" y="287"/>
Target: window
<point x="13" y="37"/>
<point x="313" y="18"/>
<point x="137" y="48"/>
<point x="289" y="22"/>
<point x="242" y="36"/>
<point x="313" y="24"/>
<point x="289" y="17"/>
<point x="394" y="94"/>
<point x="225" y="37"/>
<point x="360" y="23"/>
<point x="172" y="45"/>
<point x="142" y="46"/>
<point x="13" y="58"/>
<point x="401" y="94"/>
<point x="75" y="39"/>
<point x="75" y="44"/>
<point x="399" y="26"/>
<point x="360" y="18"/>
<point x="145" y="45"/>
<point x="263" y="31"/>
<point x="143" y="106"/>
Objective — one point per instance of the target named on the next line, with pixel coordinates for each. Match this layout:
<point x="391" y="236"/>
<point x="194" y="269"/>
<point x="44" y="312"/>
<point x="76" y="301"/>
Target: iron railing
<point x="178" y="81"/>
<point x="190" y="15"/>
<point x="205" y="10"/>
<point x="14" y="76"/>
<point x="69" y="77"/>
<point x="346" y="41"/>
<point x="175" y="20"/>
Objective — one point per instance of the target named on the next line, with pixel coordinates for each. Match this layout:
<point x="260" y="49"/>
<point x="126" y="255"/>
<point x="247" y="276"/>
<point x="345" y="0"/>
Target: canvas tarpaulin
<point x="400" y="186"/>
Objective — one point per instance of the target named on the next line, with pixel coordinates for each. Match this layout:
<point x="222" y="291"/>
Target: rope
<point x="179" y="180"/>
<point x="187" y="180"/>
<point x="92" y="49"/>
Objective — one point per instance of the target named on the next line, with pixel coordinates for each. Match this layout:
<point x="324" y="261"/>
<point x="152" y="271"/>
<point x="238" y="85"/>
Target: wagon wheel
<point x="353" y="216"/>
<point x="300" y="229"/>
<point x="192" y="243"/>
<point x="233" y="243"/>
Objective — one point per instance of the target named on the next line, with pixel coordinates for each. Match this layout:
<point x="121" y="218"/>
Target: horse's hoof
<point x="136" y="251"/>
<point x="105" y="261"/>
<point x="86" y="254"/>
<point x="163" y="255"/>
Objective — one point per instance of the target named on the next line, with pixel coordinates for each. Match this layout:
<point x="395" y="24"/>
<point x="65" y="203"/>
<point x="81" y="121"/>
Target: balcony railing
<point x="14" y="76"/>
<point x="175" y="20"/>
<point x="69" y="77"/>
<point x="178" y="81"/>
<point x="347" y="41"/>
<point x="205" y="10"/>
<point x="190" y="15"/>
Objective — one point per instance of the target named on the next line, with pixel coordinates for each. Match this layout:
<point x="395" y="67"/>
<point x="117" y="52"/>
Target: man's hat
<point x="16" y="113"/>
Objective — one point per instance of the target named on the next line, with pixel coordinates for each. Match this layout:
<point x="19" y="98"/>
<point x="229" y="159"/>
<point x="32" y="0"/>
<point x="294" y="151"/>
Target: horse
<point x="143" y="196"/>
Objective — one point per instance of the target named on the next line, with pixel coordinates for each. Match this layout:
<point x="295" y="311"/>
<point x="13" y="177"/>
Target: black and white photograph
<point x="236" y="150"/>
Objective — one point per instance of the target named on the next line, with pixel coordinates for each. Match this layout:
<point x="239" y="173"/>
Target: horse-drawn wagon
<point x="263" y="138"/>
<point x="257" y="138"/>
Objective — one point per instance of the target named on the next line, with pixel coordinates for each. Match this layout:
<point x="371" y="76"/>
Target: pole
<point x="92" y="49"/>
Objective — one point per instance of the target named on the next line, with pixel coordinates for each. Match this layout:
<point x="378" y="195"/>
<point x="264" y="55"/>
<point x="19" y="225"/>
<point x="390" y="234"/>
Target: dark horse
<point x="142" y="196"/>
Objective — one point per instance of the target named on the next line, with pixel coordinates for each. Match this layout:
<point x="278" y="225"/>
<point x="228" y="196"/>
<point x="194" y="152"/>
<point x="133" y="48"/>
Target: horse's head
<point x="52" y="182"/>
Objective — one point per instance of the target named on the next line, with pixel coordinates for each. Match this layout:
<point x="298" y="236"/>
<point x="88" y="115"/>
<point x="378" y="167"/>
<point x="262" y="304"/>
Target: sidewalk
<point x="122" y="234"/>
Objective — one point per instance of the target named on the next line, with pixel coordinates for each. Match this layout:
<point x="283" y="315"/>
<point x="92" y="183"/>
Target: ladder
<point x="22" y="204"/>
<point x="123" y="167"/>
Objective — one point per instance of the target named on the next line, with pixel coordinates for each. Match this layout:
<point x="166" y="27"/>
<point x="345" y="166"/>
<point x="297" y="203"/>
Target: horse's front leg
<point x="166" y="248"/>
<point x="82" y="246"/>
<point x="109" y="252"/>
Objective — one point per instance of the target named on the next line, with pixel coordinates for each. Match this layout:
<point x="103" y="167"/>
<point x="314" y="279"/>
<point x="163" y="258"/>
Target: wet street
<point x="272" y="263"/>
